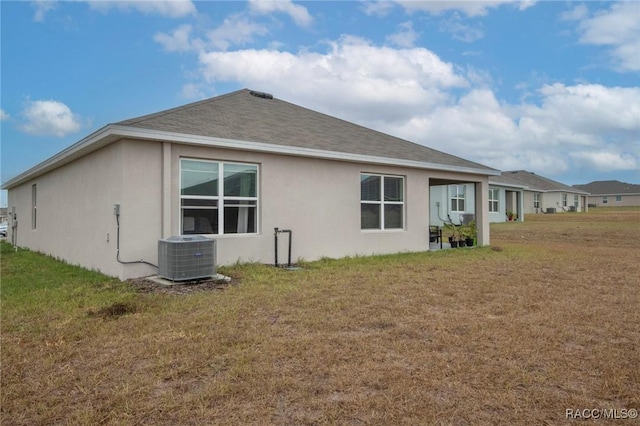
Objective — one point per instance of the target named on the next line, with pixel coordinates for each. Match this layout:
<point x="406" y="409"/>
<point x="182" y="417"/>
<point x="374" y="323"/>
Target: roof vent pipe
<point x="261" y="94"/>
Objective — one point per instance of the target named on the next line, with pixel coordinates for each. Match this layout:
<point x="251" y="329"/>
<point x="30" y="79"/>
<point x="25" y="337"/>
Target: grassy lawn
<point x="547" y="319"/>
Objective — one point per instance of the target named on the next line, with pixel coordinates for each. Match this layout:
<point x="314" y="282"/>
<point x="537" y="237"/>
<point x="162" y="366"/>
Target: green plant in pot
<point x="469" y="233"/>
<point x="454" y="237"/>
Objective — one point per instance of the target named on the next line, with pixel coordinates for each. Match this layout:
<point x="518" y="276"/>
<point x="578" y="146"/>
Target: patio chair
<point x="435" y="235"/>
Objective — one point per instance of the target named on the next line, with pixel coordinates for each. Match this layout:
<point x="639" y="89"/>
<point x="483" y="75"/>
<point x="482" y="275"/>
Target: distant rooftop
<point x="536" y="182"/>
<point x="609" y="187"/>
<point x="506" y="180"/>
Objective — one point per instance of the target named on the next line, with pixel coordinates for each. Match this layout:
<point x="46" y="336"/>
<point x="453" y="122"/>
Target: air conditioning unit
<point x="467" y="218"/>
<point x="185" y="258"/>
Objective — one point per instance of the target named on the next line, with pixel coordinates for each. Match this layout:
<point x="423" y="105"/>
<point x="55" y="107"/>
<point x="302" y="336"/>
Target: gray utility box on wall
<point x="186" y="258"/>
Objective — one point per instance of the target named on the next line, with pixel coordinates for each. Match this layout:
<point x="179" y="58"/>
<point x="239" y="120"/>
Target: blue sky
<point x="549" y="87"/>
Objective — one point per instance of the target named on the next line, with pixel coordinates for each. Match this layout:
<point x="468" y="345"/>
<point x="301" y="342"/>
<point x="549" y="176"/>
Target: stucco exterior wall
<point x="318" y="199"/>
<point x="440" y="208"/>
<point x="140" y="206"/>
<point x="75" y="220"/>
<point x="553" y="200"/>
<point x="509" y="199"/>
<point x="625" y="200"/>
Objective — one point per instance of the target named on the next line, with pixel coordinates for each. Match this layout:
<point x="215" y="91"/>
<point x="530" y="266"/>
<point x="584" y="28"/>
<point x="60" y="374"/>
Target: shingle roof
<point x="240" y="120"/>
<point x="535" y="182"/>
<point x="245" y="117"/>
<point x="609" y="187"/>
<point x="505" y="180"/>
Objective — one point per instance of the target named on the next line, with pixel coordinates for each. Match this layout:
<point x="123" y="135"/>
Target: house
<point x="611" y="193"/>
<point x="506" y="199"/>
<point x="234" y="168"/>
<point x="543" y="195"/>
<point x="455" y="202"/>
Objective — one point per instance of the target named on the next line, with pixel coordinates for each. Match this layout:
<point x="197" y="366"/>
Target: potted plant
<point x="454" y="237"/>
<point x="469" y="232"/>
<point x="511" y="216"/>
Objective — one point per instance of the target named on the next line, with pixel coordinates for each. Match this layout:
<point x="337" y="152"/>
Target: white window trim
<point x="220" y="198"/>
<point x="382" y="203"/>
<point x="496" y="200"/>
<point x="454" y="196"/>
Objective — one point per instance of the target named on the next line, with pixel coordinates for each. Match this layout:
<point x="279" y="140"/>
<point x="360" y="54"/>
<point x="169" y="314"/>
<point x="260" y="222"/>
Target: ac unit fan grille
<point x="186" y="258"/>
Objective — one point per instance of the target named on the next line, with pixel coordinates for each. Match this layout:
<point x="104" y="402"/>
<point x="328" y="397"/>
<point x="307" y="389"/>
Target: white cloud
<point x="169" y="8"/>
<point x="178" y="41"/>
<point x="377" y="8"/>
<point x="405" y="36"/>
<point x="42" y="8"/>
<point x="579" y="12"/>
<point x="469" y="8"/>
<point x="618" y="27"/>
<point x="353" y="77"/>
<point x="3" y="115"/>
<point x="592" y="108"/>
<point x="299" y="14"/>
<point x="192" y="91"/>
<point x="235" y="30"/>
<point x="413" y="94"/>
<point x="460" y="31"/>
<point x="49" y="118"/>
<point x="606" y="161"/>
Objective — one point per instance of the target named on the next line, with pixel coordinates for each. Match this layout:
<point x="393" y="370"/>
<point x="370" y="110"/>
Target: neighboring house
<point x="611" y="193"/>
<point x="235" y="167"/>
<point x="455" y="202"/>
<point x="543" y="195"/>
<point x="506" y="196"/>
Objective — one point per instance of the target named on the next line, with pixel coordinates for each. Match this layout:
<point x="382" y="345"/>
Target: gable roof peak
<point x="258" y="117"/>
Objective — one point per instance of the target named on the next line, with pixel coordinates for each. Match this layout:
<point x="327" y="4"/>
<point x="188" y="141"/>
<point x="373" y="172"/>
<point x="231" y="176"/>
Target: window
<point x="34" y="206"/>
<point x="618" y="198"/>
<point x="493" y="200"/>
<point x="576" y="202"/>
<point x="604" y="200"/>
<point x="218" y="198"/>
<point x="564" y="200"/>
<point x="536" y="200"/>
<point x="457" y="197"/>
<point x="381" y="202"/>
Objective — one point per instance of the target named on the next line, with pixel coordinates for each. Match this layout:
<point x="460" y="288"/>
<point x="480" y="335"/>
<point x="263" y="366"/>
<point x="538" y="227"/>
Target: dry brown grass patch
<point x="468" y="336"/>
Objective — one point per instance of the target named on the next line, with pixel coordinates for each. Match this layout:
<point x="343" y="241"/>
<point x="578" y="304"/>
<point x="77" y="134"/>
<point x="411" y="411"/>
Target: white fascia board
<point x="508" y="185"/>
<point x="140" y="133"/>
<point x="113" y="132"/>
<point x="614" y="194"/>
<point x="95" y="140"/>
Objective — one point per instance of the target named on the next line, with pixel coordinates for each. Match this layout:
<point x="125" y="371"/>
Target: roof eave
<point x="141" y="133"/>
<point x="113" y="132"/>
<point x="96" y="140"/>
<point x="508" y="185"/>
